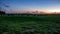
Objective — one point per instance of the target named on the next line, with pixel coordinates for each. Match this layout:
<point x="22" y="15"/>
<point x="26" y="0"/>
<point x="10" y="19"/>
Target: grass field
<point x="30" y="24"/>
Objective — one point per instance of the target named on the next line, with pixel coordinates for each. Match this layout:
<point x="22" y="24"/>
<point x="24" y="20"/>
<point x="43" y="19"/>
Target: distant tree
<point x="3" y="7"/>
<point x="2" y="12"/>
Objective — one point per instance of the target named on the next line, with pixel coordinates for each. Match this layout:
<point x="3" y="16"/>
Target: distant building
<point x="37" y="11"/>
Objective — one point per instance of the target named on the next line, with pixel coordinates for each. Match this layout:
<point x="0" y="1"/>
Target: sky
<point x="31" y="5"/>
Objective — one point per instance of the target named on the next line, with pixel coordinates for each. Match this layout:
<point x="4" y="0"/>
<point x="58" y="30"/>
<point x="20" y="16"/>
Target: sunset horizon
<point x="18" y="6"/>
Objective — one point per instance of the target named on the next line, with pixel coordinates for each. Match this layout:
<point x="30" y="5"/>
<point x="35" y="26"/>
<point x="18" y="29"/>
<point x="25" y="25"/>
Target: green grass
<point x="35" y="24"/>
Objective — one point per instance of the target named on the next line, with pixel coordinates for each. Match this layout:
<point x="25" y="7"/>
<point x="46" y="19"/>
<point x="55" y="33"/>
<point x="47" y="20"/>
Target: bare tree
<point x="3" y="7"/>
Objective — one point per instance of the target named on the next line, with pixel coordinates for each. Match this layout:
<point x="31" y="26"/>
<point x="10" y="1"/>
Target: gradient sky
<point x="31" y="5"/>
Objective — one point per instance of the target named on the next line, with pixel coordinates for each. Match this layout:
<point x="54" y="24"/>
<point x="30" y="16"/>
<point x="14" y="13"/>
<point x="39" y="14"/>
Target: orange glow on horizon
<point x="44" y="11"/>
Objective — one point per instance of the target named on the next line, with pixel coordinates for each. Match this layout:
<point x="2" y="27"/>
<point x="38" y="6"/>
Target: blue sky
<point x="18" y="5"/>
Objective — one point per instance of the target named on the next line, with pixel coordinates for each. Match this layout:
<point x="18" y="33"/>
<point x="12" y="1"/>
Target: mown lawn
<point x="30" y="24"/>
